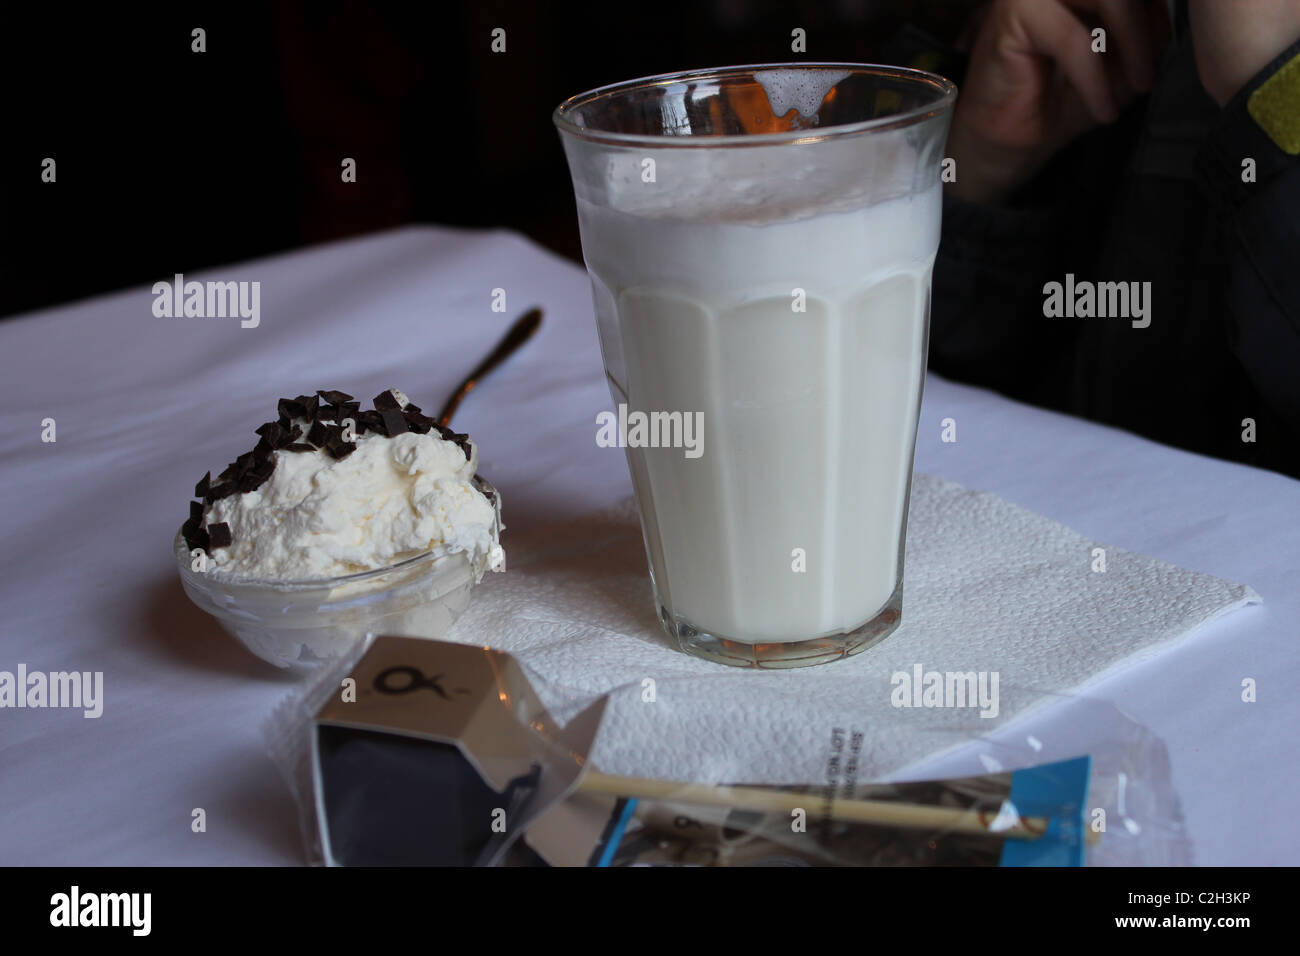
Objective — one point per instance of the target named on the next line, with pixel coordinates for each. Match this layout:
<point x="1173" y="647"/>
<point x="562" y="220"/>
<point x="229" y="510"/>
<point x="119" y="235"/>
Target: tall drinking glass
<point x="760" y="241"/>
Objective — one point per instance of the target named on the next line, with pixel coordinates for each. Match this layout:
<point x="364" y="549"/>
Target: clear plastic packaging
<point x="1131" y="814"/>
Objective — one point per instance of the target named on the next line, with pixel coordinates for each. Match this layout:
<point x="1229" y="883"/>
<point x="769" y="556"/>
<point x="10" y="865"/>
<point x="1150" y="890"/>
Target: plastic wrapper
<point x="1128" y="816"/>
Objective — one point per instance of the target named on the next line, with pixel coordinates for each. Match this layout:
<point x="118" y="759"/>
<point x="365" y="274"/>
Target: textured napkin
<point x="989" y="587"/>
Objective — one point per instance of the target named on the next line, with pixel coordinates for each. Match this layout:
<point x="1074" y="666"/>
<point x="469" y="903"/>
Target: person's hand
<point x="1235" y="39"/>
<point x="1034" y="84"/>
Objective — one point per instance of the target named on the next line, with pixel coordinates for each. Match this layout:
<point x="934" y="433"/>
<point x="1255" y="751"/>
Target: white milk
<point x="809" y="417"/>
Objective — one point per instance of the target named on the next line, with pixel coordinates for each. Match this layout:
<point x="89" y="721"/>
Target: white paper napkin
<point x="989" y="587"/>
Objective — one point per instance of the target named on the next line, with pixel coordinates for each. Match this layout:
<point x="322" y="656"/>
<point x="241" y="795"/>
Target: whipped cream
<point x="390" y="499"/>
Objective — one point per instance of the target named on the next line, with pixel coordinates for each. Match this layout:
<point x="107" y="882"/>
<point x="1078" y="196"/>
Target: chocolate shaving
<point x="299" y="447"/>
<point x="340" y="449"/>
<point x="418" y="423"/>
<point x="368" y="421"/>
<point x="198" y="539"/>
<point x="249" y="482"/>
<point x="201" y="488"/>
<point x="394" y="423"/>
<point x="196" y="510"/>
<point x="223" y="490"/>
<point x="386" y="400"/>
<point x="219" y="535"/>
<point x="333" y="396"/>
<point x="262" y="450"/>
<point x="319" y="433"/>
<point x="291" y="408"/>
<point x="286" y="437"/>
<point x="348" y="410"/>
<point x="273" y="433"/>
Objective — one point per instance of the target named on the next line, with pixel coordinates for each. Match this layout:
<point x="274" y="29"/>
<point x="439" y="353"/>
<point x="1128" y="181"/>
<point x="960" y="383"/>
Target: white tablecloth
<point x="144" y="405"/>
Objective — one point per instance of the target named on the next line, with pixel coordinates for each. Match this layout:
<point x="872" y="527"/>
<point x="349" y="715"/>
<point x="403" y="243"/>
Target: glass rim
<point x="411" y="561"/>
<point x="945" y="90"/>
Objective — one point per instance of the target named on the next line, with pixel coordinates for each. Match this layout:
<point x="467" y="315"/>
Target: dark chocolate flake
<point x="386" y="400"/>
<point x="262" y="451"/>
<point x="201" y="488"/>
<point x="333" y="396"/>
<point x="299" y="447"/>
<point x="348" y="410"/>
<point x="223" y="490"/>
<point x="291" y="408"/>
<point x="394" y="422"/>
<point x="341" y="449"/>
<point x="310" y="405"/>
<point x="196" y="510"/>
<point x="219" y="535"/>
<point x="272" y="432"/>
<point x="318" y="434"/>
<point x="249" y="482"/>
<point x="199" y="539"/>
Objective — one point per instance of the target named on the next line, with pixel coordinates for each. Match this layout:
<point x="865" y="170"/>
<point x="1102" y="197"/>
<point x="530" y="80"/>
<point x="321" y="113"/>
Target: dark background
<point x="173" y="161"/>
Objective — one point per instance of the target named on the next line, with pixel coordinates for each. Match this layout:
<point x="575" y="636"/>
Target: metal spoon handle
<point x="518" y="334"/>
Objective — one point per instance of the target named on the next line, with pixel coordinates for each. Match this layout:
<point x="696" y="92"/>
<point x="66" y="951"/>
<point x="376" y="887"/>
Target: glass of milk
<point x="760" y="241"/>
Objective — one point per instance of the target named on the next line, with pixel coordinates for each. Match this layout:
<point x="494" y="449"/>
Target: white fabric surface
<point x="990" y="587"/>
<point x="145" y="405"/>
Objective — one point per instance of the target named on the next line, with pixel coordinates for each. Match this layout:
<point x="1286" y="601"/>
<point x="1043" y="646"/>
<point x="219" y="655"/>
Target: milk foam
<point x="801" y="90"/>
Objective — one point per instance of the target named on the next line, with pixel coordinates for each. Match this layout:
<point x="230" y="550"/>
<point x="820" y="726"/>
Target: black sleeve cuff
<point x="1236" y="137"/>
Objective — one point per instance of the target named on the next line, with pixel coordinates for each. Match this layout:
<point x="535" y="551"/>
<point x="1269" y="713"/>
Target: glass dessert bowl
<point x="304" y="622"/>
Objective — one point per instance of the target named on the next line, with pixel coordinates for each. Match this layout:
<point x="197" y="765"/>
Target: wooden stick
<point x="883" y="812"/>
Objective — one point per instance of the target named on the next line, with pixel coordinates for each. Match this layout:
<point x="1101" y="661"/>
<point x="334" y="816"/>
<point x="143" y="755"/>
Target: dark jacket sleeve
<point x="987" y="324"/>
<point x="1258" y="226"/>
